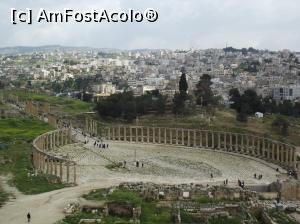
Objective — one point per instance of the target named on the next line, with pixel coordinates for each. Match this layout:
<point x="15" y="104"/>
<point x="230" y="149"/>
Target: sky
<point x="182" y="24"/>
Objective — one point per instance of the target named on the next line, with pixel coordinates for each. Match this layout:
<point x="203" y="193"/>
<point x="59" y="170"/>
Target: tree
<point x="281" y="125"/>
<point x="251" y="98"/>
<point x="181" y="97"/>
<point x="245" y="104"/>
<point x="178" y="104"/>
<point x="204" y="94"/>
<point x="235" y="98"/>
<point x="183" y="86"/>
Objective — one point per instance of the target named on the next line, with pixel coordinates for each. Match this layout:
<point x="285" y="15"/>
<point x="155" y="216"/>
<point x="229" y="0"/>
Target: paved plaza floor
<point x="165" y="164"/>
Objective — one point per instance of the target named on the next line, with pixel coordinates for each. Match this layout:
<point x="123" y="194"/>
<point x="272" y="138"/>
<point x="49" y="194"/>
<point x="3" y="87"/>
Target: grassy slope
<point x="18" y="134"/>
<point x="62" y="104"/>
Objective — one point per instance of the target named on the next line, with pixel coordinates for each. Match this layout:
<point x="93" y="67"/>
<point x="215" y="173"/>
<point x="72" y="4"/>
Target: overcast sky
<point x="263" y="24"/>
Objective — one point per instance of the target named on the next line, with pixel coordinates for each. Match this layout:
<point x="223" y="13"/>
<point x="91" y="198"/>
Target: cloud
<point x="266" y="24"/>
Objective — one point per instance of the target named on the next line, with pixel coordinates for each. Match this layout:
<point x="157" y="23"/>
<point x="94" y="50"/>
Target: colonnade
<point x="46" y="163"/>
<point x="255" y="146"/>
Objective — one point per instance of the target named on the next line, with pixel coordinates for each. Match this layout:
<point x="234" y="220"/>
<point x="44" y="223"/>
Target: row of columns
<point x="91" y="126"/>
<point x="255" y="146"/>
<point x="55" y="139"/>
<point x="50" y="165"/>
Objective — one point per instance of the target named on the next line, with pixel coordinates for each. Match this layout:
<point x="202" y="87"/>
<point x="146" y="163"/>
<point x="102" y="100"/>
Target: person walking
<point x="28" y="217"/>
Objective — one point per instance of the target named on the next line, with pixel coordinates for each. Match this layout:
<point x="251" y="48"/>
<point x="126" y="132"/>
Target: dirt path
<point x="46" y="208"/>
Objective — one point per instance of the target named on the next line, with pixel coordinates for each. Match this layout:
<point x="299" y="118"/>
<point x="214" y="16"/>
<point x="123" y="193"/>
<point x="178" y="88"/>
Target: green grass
<point x="60" y="104"/>
<point x="118" y="195"/>
<point x="23" y="129"/>
<point x="96" y="195"/>
<point x="225" y="221"/>
<point x="76" y="217"/>
<point x="3" y="197"/>
<point x="125" y="196"/>
<point x="18" y="135"/>
<point x="280" y="217"/>
<point x="152" y="215"/>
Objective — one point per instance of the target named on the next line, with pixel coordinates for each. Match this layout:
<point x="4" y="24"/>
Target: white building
<point x="291" y="92"/>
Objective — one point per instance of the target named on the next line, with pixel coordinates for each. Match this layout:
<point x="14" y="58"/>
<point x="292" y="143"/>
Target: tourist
<point x="255" y="175"/>
<point x="226" y="181"/>
<point x="243" y="184"/>
<point x="211" y="175"/>
<point x="28" y="216"/>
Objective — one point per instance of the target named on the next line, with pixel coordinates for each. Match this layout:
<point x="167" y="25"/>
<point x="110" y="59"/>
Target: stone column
<point x="66" y="137"/>
<point x="153" y="135"/>
<point x="212" y="140"/>
<point x="136" y="135"/>
<point x="171" y="136"/>
<point x="68" y="172"/>
<point x="53" y="139"/>
<point x="142" y="133"/>
<point x="194" y="144"/>
<point x="253" y="146"/>
<point x="282" y="153"/>
<point x="225" y="141"/>
<point x="201" y="138"/>
<point x="130" y="133"/>
<point x="263" y="147"/>
<point x="47" y="161"/>
<point x="242" y="143"/>
<point x="61" y="171"/>
<point x="113" y="134"/>
<point x="269" y="150"/>
<point x="108" y="134"/>
<point x="182" y="136"/>
<point x="119" y="133"/>
<point x="148" y="134"/>
<point x="124" y="132"/>
<point x="278" y="152"/>
<point x="273" y="151"/>
<point x="51" y="166"/>
<point x="55" y="167"/>
<point x="236" y="143"/>
<point x="74" y="172"/>
<point x="176" y="136"/>
<point x="165" y="136"/>
<point x="230" y="141"/>
<point x="188" y="140"/>
<point x="159" y="134"/>
<point x="219" y="140"/>
<point x="206" y="139"/>
<point x="287" y="152"/>
<point x="291" y="157"/>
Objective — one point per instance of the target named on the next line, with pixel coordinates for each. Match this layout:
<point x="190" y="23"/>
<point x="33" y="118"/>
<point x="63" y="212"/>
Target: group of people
<point x="137" y="164"/>
<point x="258" y="176"/>
<point x="99" y="144"/>
<point x="226" y="182"/>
